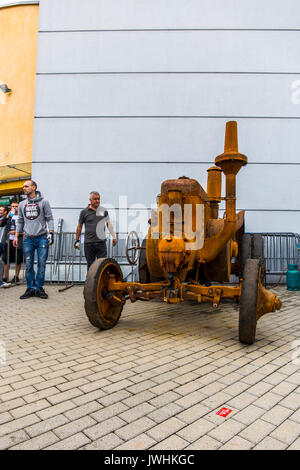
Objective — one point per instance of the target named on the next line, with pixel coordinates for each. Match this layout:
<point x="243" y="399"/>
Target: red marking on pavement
<point x="224" y="412"/>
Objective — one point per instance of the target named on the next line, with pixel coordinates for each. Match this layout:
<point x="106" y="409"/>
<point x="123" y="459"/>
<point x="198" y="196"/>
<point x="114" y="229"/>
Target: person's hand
<point x="114" y="242"/>
<point x="50" y="238"/>
<point x="77" y="244"/>
<point x="15" y="242"/>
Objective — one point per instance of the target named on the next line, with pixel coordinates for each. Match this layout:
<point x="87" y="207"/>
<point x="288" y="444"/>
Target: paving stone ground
<point x="155" y="381"/>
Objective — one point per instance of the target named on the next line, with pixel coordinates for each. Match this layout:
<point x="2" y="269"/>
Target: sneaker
<point x="41" y="293"/>
<point x="28" y="293"/>
<point x="15" y="280"/>
<point x="5" y="284"/>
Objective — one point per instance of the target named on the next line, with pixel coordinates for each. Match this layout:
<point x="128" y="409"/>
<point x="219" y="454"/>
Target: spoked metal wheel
<point x="103" y="309"/>
<point x="132" y="247"/>
<point x="249" y="301"/>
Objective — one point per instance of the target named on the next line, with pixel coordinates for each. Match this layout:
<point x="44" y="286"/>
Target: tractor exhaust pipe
<point x="230" y="163"/>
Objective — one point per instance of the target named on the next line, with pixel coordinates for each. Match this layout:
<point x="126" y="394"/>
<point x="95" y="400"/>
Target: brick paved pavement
<point x="155" y="381"/>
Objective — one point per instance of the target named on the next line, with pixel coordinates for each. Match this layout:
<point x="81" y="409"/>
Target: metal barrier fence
<point x="280" y="249"/>
<point x="65" y="264"/>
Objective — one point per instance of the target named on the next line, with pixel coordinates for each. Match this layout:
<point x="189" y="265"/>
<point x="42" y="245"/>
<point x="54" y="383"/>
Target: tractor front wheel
<point x="102" y="311"/>
<point x="248" y="301"/>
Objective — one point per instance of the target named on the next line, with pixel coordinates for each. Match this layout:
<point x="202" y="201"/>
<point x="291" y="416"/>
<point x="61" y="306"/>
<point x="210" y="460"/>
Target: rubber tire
<point x="246" y="251"/>
<point x="144" y="273"/>
<point x="258" y="253"/>
<point x="90" y="294"/>
<point x="248" y="302"/>
<point x="258" y="246"/>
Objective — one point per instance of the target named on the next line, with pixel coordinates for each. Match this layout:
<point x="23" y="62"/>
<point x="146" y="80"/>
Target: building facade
<point x="132" y="92"/>
<point x="18" y="52"/>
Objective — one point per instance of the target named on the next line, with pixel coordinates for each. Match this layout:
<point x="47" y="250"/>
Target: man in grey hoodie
<point x="34" y="216"/>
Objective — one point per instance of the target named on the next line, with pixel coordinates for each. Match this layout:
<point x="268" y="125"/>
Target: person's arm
<point x="112" y="232"/>
<point x="4" y="220"/>
<point x="50" y="221"/>
<point x="78" y="231"/>
<point x="19" y="226"/>
<point x="49" y="216"/>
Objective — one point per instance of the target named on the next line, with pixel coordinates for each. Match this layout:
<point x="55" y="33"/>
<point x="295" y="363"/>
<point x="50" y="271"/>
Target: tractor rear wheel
<point x="258" y="246"/>
<point x="258" y="253"/>
<point x="101" y="311"/>
<point x="252" y="246"/>
<point x="144" y="273"/>
<point x="248" y="301"/>
<point x="246" y="251"/>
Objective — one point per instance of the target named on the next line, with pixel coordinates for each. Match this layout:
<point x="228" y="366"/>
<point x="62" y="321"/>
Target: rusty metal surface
<point x="185" y="185"/>
<point x="190" y="266"/>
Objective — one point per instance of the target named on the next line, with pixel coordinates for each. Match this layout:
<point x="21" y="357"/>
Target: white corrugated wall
<point x="131" y="92"/>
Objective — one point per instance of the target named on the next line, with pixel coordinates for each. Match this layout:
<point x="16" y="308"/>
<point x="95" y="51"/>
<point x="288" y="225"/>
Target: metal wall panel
<point x="158" y="139"/>
<point x="262" y="187"/>
<point x="170" y="51"/>
<point x="165" y="95"/>
<point x="168" y="14"/>
<point x="109" y="112"/>
<point x="255" y="221"/>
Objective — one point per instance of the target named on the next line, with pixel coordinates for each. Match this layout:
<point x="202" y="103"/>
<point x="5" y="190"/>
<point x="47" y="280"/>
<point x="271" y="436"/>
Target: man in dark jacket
<point x="3" y="236"/>
<point x="3" y="228"/>
<point x="10" y="253"/>
<point x="34" y="216"/>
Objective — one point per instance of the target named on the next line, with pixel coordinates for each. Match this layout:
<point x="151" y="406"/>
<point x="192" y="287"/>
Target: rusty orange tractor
<point x="190" y="253"/>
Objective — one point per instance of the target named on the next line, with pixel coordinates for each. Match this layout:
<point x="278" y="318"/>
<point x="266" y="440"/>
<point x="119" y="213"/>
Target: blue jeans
<point x="40" y="244"/>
